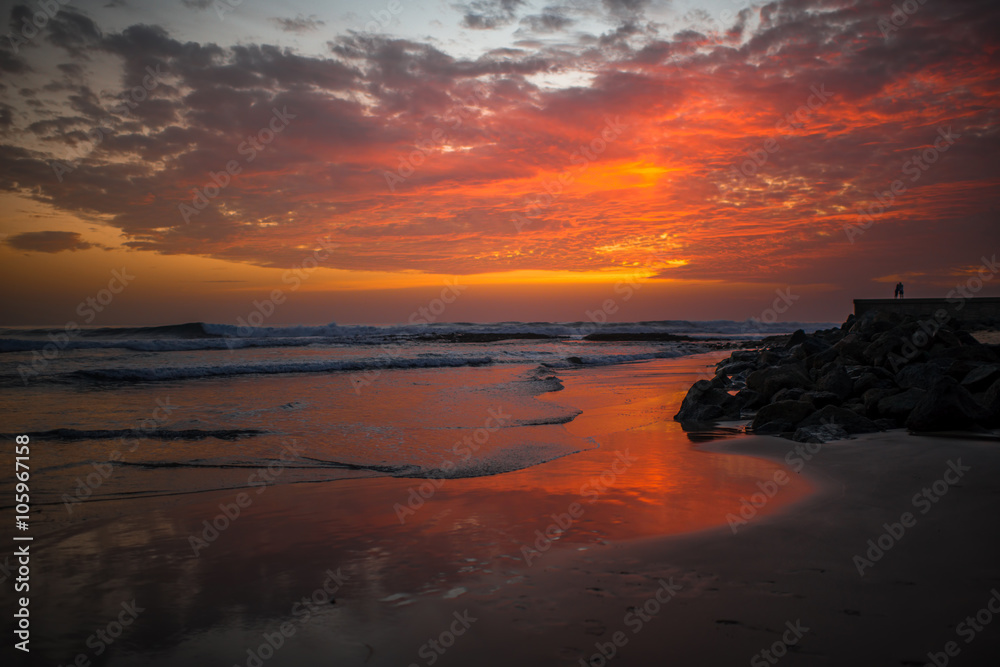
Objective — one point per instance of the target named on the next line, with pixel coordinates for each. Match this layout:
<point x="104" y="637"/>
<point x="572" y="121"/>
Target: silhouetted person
<point x="899" y="291"/>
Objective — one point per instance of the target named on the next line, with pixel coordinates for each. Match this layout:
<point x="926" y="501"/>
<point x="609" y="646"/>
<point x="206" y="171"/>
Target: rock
<point x="870" y="381"/>
<point x="899" y="406"/>
<point x="991" y="406"/>
<point x="820" y="398"/>
<point x="811" y="347"/>
<point x="851" y="348"/>
<point x="706" y="401"/>
<point x="873" y="397"/>
<point x="749" y="399"/>
<point x="738" y="367"/>
<point x="887" y="347"/>
<point x="981" y="378"/>
<point x="887" y="424"/>
<point x="796" y="338"/>
<point x="857" y="406"/>
<point x="745" y="355"/>
<point x="966" y="339"/>
<point x="918" y="375"/>
<point x="769" y="381"/>
<point x="820" y="434"/>
<point x="848" y="419"/>
<point x="793" y="394"/>
<point x="947" y="406"/>
<point x="836" y="381"/>
<point x="780" y="417"/>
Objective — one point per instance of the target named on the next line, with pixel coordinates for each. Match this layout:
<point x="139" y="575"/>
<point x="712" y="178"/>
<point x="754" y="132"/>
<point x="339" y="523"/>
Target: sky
<point x="353" y="162"/>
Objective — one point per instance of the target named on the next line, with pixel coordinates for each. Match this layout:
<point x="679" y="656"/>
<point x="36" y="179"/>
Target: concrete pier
<point x="974" y="310"/>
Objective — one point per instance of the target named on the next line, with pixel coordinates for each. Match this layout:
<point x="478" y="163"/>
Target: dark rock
<point x="946" y="406"/>
<point x="981" y="377"/>
<point x="918" y="375"/>
<point x="836" y="381"/>
<point x="856" y="406"/>
<point x="738" y="367"/>
<point x="873" y="397"/>
<point x="851" y="348"/>
<point x="870" y="381"/>
<point x="749" y="399"/>
<point x="796" y="338"/>
<point x="769" y="381"/>
<point x="899" y="406"/>
<point x="793" y="394"/>
<point x="820" y="398"/>
<point x="982" y="353"/>
<point x="771" y="358"/>
<point x="886" y="347"/>
<point x="707" y="402"/>
<point x="966" y="338"/>
<point x="887" y="424"/>
<point x="848" y="419"/>
<point x="780" y="417"/>
<point x="991" y="406"/>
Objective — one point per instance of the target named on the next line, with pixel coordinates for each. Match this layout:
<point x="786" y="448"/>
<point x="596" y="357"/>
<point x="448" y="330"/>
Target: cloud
<point x="412" y="158"/>
<point x="299" y="24"/>
<point x="547" y="22"/>
<point x="489" y="14"/>
<point x="48" y="241"/>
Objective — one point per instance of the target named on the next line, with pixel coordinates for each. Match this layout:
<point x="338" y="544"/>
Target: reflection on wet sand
<point x="213" y="577"/>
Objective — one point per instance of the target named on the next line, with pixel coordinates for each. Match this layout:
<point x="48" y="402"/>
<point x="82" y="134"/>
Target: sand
<point x="740" y="591"/>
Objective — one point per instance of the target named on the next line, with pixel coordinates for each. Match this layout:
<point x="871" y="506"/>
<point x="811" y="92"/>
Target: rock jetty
<point x="880" y="371"/>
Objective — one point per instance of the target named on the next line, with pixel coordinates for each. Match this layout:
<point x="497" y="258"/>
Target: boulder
<point x="981" y="378"/>
<point x="899" y="406"/>
<point x="867" y="381"/>
<point x="947" y="406"/>
<point x="796" y="338"/>
<point x="820" y="398"/>
<point x="749" y="399"/>
<point x="793" y="394"/>
<point x="706" y="401"/>
<point x="918" y="375"/>
<point x="873" y="397"/>
<point x="851" y="348"/>
<point x="780" y="417"/>
<point x="836" y="381"/>
<point x="769" y="381"/>
<point x="991" y="406"/>
<point x="848" y="419"/>
<point x="745" y="355"/>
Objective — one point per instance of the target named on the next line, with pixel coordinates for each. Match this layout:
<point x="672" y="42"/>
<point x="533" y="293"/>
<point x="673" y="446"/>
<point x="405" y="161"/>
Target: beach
<point x="648" y="543"/>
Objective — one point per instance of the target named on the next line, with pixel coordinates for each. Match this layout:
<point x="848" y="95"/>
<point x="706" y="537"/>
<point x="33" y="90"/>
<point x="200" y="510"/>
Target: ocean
<point x="193" y="407"/>
<point x="213" y="475"/>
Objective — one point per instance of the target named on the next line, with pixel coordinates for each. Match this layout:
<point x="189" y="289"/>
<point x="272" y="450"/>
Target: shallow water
<point x="411" y="551"/>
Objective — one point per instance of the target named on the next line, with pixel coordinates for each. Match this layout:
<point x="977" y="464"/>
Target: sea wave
<point x="213" y="336"/>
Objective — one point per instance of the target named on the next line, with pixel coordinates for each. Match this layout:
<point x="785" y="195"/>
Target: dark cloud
<point x="299" y="24"/>
<point x="546" y="22"/>
<point x="48" y="241"/>
<point x="489" y="14"/>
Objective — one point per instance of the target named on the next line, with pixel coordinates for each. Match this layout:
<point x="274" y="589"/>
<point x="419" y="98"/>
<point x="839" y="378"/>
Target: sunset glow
<point x="743" y="146"/>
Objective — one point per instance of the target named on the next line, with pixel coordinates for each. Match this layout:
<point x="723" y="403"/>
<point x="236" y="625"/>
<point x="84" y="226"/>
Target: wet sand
<point x="353" y="586"/>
